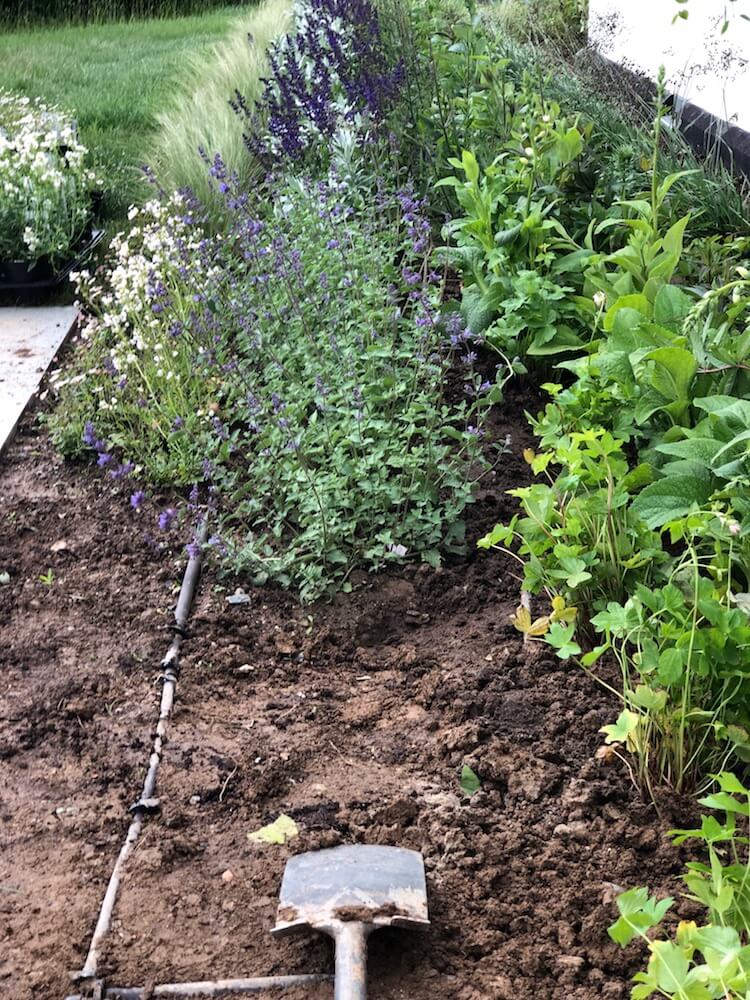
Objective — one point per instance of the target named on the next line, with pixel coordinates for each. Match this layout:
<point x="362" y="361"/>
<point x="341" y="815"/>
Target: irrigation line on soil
<point x="209" y="989"/>
<point x="147" y="802"/>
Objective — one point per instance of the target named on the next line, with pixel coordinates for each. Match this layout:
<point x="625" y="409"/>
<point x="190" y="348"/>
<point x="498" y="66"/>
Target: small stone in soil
<point x="238" y="597"/>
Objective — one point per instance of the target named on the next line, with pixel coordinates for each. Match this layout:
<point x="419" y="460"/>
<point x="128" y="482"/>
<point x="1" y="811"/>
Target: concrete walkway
<point x="29" y="340"/>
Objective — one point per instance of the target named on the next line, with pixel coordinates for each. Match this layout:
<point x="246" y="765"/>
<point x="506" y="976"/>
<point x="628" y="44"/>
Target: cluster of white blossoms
<point x="45" y="184"/>
<point x="139" y="304"/>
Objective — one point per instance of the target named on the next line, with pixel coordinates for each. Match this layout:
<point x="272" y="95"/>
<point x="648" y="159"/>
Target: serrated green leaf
<point x="729" y="782"/>
<point x="694" y="449"/>
<point x="671" y="306"/>
<point x="622" y="730"/>
<point x="646" y="697"/>
<point x="638" y="914"/>
<point x="671" y="498"/>
<point x="561" y="637"/>
<point x="669" y="965"/>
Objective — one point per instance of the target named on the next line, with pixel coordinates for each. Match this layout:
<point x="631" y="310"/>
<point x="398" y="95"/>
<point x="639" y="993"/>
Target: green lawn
<point x="114" y="77"/>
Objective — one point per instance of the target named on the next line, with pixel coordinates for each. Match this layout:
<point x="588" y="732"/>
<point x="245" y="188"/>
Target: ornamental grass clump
<point x="45" y="184"/>
<point x="200" y="117"/>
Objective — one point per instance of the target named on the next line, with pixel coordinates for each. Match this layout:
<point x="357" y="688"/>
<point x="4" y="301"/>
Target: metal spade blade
<point x="349" y="892"/>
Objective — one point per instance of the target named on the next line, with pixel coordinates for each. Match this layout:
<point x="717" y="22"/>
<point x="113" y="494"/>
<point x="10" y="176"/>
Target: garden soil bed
<point x="354" y="718"/>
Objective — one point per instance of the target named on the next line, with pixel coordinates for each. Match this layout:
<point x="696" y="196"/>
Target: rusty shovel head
<point x="379" y="886"/>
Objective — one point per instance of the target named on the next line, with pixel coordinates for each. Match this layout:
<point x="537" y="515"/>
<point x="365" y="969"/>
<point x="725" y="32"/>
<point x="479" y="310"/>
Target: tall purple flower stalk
<point x="337" y="58"/>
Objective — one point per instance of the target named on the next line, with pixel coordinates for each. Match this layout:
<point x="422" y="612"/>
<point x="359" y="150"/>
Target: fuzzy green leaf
<point x="671" y="498"/>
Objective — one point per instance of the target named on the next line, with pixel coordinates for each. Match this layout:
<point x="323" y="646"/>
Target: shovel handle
<point x="351" y="961"/>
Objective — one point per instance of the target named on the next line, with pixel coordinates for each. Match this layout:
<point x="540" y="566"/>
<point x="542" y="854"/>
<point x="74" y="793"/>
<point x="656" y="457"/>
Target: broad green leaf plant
<point x="707" y="960"/>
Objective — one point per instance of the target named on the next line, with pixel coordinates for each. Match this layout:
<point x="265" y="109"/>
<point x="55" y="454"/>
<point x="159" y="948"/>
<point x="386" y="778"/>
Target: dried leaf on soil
<point x="278" y="832"/>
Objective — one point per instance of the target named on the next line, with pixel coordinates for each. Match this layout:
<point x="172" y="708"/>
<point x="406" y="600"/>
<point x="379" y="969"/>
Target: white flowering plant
<point x="46" y="185"/>
<point x="147" y="327"/>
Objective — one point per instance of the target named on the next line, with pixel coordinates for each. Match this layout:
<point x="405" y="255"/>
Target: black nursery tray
<point x="19" y="279"/>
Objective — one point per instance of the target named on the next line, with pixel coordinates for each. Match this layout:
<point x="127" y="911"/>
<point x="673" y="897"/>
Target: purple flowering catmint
<point x="157" y="292"/>
<point x="167" y="518"/>
<point x="122" y="471"/>
<point x="194" y="548"/>
<point x="104" y="459"/>
<point x="178" y="423"/>
<point x="220" y="429"/>
<point x="137" y="499"/>
<point x="218" y="543"/>
<point x="89" y="438"/>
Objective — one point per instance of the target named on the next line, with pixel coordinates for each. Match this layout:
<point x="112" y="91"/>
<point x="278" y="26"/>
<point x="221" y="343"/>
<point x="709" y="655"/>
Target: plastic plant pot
<point x="30" y="281"/>
<point x="24" y="272"/>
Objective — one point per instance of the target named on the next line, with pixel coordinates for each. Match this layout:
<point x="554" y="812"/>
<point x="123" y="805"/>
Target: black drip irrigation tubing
<point x="93" y="985"/>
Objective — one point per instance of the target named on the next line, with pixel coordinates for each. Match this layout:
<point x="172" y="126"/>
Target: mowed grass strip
<point x="115" y="78"/>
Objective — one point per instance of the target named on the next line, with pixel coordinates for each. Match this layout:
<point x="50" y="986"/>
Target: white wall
<point x="703" y="65"/>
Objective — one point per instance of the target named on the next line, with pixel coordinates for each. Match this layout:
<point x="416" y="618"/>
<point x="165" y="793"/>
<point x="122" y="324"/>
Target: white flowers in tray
<point x="46" y="186"/>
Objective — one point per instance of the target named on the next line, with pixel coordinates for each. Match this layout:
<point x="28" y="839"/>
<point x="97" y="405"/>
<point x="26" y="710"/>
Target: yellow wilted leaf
<point x="561" y="612"/>
<point x="539" y="627"/>
<point x="529" y="455"/>
<point x="278" y="832"/>
<point x="522" y="621"/>
<point x="686" y="930"/>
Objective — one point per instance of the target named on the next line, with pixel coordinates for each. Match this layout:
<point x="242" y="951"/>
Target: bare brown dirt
<point x="354" y="718"/>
